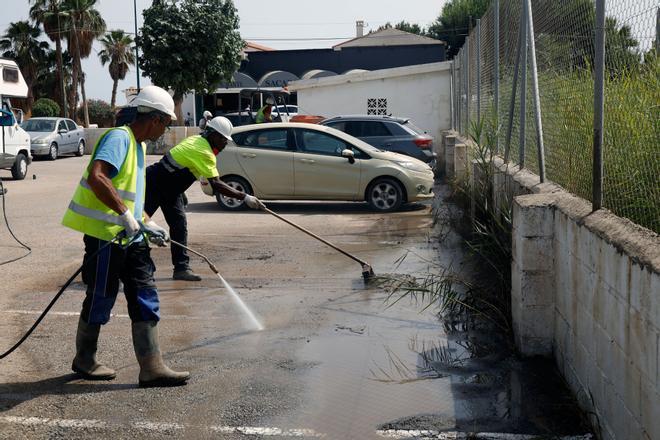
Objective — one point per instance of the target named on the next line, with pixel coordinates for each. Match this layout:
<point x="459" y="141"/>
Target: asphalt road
<point x="333" y="360"/>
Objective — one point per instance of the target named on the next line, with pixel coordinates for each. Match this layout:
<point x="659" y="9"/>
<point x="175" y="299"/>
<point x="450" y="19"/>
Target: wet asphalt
<point x="336" y="359"/>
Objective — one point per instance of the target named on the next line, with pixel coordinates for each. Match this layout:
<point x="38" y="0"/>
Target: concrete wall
<point x="418" y="92"/>
<point x="171" y="137"/>
<point x="586" y="290"/>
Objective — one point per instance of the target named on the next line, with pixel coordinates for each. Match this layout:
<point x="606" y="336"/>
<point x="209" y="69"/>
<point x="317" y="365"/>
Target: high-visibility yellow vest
<point x="88" y="214"/>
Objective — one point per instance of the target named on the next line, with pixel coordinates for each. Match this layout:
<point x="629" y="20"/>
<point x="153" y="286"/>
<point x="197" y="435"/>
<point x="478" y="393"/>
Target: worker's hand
<point x="155" y="233"/>
<point x="131" y="226"/>
<point x="253" y="202"/>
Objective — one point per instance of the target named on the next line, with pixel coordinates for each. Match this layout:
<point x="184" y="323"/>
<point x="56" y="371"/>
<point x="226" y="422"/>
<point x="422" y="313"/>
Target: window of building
<point x="377" y="106"/>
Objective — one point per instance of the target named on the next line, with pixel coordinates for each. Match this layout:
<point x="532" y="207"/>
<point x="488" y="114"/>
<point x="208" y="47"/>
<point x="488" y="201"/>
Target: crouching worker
<point x="108" y="203"/>
<point x="167" y="181"/>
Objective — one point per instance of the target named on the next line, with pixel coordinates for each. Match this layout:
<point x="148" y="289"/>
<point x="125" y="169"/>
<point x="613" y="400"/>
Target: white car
<point x="52" y="137"/>
<point x="297" y="161"/>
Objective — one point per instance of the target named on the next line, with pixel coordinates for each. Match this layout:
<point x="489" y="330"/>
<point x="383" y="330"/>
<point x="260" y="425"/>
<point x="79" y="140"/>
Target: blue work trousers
<point x="132" y="266"/>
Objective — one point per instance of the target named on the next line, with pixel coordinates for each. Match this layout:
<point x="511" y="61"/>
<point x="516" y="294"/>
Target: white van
<point x="15" y="142"/>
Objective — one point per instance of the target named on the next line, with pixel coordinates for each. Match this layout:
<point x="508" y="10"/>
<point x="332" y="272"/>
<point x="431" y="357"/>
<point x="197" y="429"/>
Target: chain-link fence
<point x="499" y="69"/>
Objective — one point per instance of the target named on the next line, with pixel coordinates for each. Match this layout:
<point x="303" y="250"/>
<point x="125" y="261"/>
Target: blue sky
<point x="280" y="24"/>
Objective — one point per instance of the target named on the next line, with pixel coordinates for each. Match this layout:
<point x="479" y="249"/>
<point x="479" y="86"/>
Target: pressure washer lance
<point x="367" y="270"/>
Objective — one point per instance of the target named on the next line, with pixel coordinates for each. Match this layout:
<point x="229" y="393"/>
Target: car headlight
<point x="40" y="141"/>
<point x="413" y="166"/>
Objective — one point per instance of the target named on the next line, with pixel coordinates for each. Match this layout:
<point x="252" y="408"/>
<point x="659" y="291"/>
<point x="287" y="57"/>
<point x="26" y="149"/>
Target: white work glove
<point x="131" y="226"/>
<point x="155" y="233"/>
<point x="253" y="202"/>
<point x="206" y="186"/>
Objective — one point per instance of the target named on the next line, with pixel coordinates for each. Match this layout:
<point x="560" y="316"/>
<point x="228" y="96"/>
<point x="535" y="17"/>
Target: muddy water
<point x="385" y="366"/>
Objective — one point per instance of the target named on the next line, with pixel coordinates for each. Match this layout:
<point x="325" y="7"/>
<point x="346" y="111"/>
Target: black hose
<point x="54" y="300"/>
<point x="4" y="214"/>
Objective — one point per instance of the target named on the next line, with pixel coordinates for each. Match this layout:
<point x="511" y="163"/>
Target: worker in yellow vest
<point x="167" y="181"/>
<point x="265" y="113"/>
<point x="108" y="203"/>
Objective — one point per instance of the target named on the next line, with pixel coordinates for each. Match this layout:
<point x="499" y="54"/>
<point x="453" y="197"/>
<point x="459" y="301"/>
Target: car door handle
<point x="307" y="160"/>
<point x="249" y="155"/>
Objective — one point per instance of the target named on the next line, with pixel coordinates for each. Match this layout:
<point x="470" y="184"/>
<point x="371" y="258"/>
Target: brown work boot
<point x="186" y="275"/>
<point x="153" y="372"/>
<point x="85" y="361"/>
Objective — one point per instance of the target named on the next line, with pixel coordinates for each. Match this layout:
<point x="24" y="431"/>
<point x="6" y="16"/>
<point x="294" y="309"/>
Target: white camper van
<point x="15" y="142"/>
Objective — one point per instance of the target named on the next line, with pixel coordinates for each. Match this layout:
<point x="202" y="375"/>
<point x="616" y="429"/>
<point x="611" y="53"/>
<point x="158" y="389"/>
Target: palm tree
<point x="118" y="51"/>
<point x="84" y="24"/>
<point x="49" y="14"/>
<point x="21" y="42"/>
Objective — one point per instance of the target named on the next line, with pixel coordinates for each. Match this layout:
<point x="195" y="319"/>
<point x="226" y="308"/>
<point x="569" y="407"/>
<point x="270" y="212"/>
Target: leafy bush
<point x="45" y="107"/>
<point x="100" y="113"/>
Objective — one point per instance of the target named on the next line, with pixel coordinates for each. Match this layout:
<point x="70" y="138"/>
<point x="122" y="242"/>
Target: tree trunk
<point x="114" y="94"/>
<point x="60" y="78"/>
<point x="80" y="72"/>
<point x="178" y="99"/>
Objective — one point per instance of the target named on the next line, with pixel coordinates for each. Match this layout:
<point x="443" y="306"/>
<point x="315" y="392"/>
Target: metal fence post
<point x="467" y="85"/>
<point x="599" y="92"/>
<point x="496" y="73"/>
<point x="514" y="87"/>
<point x="537" y="98"/>
<point x="451" y="94"/>
<point x="522" y="140"/>
<point x="478" y="72"/>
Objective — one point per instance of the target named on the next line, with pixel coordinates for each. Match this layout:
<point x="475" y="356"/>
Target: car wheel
<point x="19" y="169"/>
<point x="385" y="195"/>
<point x="52" y="151"/>
<point x="230" y="203"/>
<point x="81" y="148"/>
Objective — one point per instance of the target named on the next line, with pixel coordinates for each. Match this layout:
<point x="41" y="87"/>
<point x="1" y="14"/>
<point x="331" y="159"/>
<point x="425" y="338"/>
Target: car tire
<point x="81" y="148"/>
<point x="385" y="195"/>
<point x="19" y="169"/>
<point x="52" y="151"/>
<point x="229" y="203"/>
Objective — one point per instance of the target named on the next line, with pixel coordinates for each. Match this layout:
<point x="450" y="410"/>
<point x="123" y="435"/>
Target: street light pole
<point x="137" y="66"/>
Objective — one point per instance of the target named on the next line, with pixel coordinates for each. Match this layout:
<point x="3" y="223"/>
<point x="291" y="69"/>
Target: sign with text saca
<point x="277" y="78"/>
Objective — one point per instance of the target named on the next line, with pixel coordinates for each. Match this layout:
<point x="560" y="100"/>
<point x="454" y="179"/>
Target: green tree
<point x="45" y="107"/>
<point x="118" y="51"/>
<point x="412" y="28"/>
<point x="21" y="42"/>
<point x="48" y="84"/>
<point x="190" y="45"/>
<point x="84" y="25"/>
<point x="455" y="21"/>
<point x="48" y="13"/>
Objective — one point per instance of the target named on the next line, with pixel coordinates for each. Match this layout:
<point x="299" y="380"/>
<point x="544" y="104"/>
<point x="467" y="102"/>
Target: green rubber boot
<point x="153" y="372"/>
<point x="85" y="361"/>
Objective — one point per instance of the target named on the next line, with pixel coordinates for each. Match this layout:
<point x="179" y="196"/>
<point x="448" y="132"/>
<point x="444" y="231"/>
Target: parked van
<point x="15" y="142"/>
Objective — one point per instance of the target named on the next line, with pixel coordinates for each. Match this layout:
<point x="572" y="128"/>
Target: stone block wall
<point x="586" y="290"/>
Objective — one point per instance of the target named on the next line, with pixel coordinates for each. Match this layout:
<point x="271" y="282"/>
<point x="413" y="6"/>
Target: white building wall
<point x="417" y="92"/>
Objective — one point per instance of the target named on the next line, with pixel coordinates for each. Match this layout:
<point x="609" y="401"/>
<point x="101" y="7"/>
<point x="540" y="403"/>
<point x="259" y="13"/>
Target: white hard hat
<point x="207" y="114"/>
<point x="154" y="98"/>
<point x="222" y="125"/>
<point x="270" y="100"/>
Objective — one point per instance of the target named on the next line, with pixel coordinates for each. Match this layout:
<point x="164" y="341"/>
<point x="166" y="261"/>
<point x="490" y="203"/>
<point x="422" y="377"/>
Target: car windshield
<point x="40" y="125"/>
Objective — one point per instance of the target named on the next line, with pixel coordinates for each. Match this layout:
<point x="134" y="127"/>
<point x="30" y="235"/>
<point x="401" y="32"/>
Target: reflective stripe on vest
<point x="126" y="195"/>
<point x="87" y="214"/>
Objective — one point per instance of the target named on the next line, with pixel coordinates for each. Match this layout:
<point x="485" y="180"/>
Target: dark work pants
<point x="133" y="267"/>
<point x="164" y="192"/>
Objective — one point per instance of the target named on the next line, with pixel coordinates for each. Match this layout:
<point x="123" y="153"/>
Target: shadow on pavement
<point x="14" y="394"/>
<point x="305" y="208"/>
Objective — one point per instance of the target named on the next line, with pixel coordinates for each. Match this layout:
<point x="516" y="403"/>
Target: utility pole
<point x="137" y="66"/>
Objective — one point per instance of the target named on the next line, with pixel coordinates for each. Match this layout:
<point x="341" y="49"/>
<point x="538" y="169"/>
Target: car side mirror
<point x="62" y="131"/>
<point x="349" y="155"/>
<point x="19" y="115"/>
